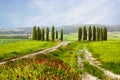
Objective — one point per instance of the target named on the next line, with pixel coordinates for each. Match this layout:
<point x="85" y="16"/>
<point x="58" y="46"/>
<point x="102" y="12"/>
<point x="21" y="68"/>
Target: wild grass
<point x="16" y="49"/>
<point x="108" y="53"/>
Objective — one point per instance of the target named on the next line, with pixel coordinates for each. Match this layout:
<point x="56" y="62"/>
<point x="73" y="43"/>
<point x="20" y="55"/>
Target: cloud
<point x="68" y="12"/>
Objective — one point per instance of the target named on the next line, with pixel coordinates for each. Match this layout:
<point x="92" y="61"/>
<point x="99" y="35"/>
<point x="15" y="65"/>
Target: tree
<point x="61" y="38"/>
<point x="47" y="34"/>
<point x="101" y="34"/>
<point x="38" y="33"/>
<point x="79" y="34"/>
<point x="56" y="34"/>
<point x="98" y="34"/>
<point x="34" y="37"/>
<point x="94" y="33"/>
<point x="105" y="33"/>
<point x="53" y="33"/>
<point x="43" y="36"/>
<point x="90" y="33"/>
<point x="84" y="33"/>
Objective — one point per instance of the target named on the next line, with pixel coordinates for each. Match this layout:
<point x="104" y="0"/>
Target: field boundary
<point x="36" y="53"/>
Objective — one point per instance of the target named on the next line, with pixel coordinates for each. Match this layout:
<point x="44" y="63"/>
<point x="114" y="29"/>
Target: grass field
<point x="15" y="49"/>
<point x="108" y="53"/>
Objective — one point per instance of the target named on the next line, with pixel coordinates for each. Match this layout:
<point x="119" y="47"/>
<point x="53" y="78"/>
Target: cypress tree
<point x="94" y="33"/>
<point x="90" y="33"/>
<point x="47" y="34"/>
<point x="79" y="34"/>
<point x="34" y="37"/>
<point x="61" y="38"/>
<point x="56" y="34"/>
<point x="101" y="34"/>
<point x="43" y="36"/>
<point x="98" y="34"/>
<point x="105" y="33"/>
<point x="84" y="33"/>
<point x="53" y="33"/>
<point x="38" y="33"/>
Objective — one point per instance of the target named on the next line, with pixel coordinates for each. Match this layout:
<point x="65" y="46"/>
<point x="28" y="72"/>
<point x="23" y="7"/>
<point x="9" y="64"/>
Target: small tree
<point x="47" y="34"/>
<point x="53" y="33"/>
<point x="38" y="33"/>
<point x="34" y="37"/>
<point x="98" y="34"/>
<point x="43" y="36"/>
<point x="84" y="33"/>
<point x="94" y="33"/>
<point x="79" y="34"/>
<point x="56" y="34"/>
<point x="61" y="38"/>
<point x="90" y="33"/>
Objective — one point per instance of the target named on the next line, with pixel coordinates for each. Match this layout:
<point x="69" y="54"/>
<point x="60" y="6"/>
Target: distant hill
<point x="67" y="29"/>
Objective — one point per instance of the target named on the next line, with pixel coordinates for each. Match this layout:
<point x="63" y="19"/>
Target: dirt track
<point x="40" y="52"/>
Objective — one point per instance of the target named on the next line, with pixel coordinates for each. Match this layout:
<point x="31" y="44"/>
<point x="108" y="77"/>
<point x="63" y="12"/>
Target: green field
<point x="108" y="53"/>
<point x="15" y="49"/>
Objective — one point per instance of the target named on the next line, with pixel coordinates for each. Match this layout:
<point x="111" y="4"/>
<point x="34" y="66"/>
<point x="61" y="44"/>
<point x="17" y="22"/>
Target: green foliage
<point x="56" y="34"/>
<point x="84" y="33"/>
<point x="61" y="37"/>
<point x="43" y="34"/>
<point x="105" y="33"/>
<point x="101" y="34"/>
<point x="90" y="33"/>
<point x="94" y="33"/>
<point x="34" y="37"/>
<point x="38" y="33"/>
<point x="47" y="34"/>
<point x="53" y="33"/>
<point x="98" y="34"/>
<point x="80" y="34"/>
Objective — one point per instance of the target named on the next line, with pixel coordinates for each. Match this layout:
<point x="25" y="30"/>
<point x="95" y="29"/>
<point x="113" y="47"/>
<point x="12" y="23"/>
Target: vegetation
<point x="43" y="34"/>
<point x="16" y="49"/>
<point x="84" y="33"/>
<point x="38" y="33"/>
<point x="94" y="33"/>
<point x="56" y="34"/>
<point x="53" y="33"/>
<point x="47" y="34"/>
<point x="61" y="37"/>
<point x="80" y="34"/>
<point x="107" y="53"/>
<point x="90" y="33"/>
<point x="34" y="33"/>
<point x="98" y="34"/>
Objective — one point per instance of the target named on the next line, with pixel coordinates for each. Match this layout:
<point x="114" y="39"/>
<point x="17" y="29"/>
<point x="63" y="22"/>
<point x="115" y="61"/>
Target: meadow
<point x="20" y="48"/>
<point x="107" y="52"/>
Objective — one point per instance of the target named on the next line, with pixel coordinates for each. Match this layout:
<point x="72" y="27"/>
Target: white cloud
<point x="64" y="12"/>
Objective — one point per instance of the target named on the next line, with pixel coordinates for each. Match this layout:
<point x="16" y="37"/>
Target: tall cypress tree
<point x="47" y="34"/>
<point x="79" y="34"/>
<point x="90" y="33"/>
<point x="94" y="33"/>
<point x="105" y="33"/>
<point x="53" y="33"/>
<point x="56" y="34"/>
<point x="43" y="35"/>
<point x="101" y="34"/>
<point x="34" y="37"/>
<point x="84" y="33"/>
<point x="38" y="33"/>
<point x="98" y="34"/>
<point x="61" y="38"/>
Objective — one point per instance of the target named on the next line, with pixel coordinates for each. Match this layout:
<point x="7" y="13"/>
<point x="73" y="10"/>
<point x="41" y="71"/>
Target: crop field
<point x="108" y="53"/>
<point x="16" y="49"/>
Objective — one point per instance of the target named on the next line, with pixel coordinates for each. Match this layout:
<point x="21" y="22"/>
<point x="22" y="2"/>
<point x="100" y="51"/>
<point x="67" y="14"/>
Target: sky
<point x="27" y="13"/>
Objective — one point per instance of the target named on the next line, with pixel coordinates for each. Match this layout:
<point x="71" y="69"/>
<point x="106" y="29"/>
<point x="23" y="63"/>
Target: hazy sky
<point x="26" y="13"/>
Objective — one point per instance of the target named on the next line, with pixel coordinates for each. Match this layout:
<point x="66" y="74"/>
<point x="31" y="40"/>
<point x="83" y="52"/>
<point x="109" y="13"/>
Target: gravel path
<point x="40" y="52"/>
<point x="96" y="63"/>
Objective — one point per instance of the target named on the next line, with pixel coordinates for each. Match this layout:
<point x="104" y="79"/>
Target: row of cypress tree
<point x="39" y="34"/>
<point x="93" y="33"/>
